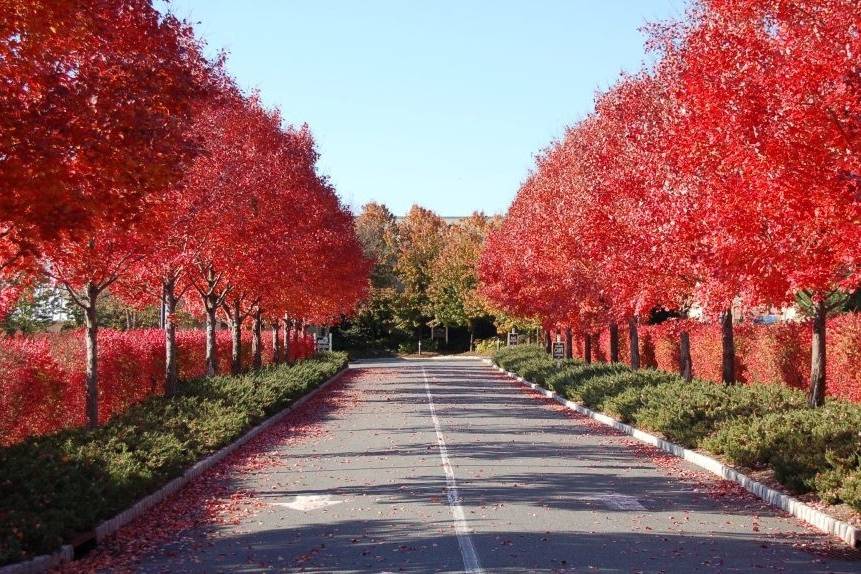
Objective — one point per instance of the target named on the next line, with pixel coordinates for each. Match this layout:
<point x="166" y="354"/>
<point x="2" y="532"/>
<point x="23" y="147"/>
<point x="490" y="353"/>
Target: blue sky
<point x="442" y="103"/>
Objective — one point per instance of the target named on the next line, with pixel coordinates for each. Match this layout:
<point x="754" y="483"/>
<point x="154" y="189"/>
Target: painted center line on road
<point x="467" y="550"/>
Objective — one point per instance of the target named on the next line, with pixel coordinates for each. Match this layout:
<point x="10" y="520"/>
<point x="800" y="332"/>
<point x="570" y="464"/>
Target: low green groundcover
<point x="755" y="426"/>
<point x="56" y="486"/>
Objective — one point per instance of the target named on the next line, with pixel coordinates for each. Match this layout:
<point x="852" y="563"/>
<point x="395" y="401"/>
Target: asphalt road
<point x="447" y="466"/>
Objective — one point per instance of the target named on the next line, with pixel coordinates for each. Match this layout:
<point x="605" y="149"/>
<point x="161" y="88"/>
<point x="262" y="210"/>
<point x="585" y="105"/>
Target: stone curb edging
<point x="846" y="532"/>
<point x="45" y="562"/>
<point x="41" y="563"/>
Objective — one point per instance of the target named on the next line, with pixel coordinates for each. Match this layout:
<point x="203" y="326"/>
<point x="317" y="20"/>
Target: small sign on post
<point x="323" y="343"/>
<point x="558" y="353"/>
<point x="513" y="338"/>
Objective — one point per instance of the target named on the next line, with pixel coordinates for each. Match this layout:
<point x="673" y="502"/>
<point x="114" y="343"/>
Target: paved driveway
<point x="447" y="466"/>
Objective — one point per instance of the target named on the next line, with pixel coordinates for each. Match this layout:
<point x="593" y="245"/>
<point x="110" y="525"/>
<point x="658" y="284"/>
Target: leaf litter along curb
<point x="213" y="500"/>
<point x="727" y="494"/>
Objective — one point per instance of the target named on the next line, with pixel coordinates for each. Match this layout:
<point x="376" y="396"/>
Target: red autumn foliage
<point x="42" y="377"/>
<point x="727" y="172"/>
<point x="94" y="104"/>
<point x="129" y="160"/>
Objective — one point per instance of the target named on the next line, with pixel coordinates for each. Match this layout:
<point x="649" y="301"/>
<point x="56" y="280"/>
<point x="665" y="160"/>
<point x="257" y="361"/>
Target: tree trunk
<point x="256" y="346"/>
<point x="728" y="344"/>
<point x="685" y="365"/>
<point x="211" y="347"/>
<point x="614" y="342"/>
<point x="276" y="341"/>
<point x="235" y="338"/>
<point x="286" y="348"/>
<point x="92" y="369"/>
<point x="168" y="309"/>
<point x="816" y="394"/>
<point x="634" y="337"/>
<point x="548" y="341"/>
<point x="587" y="349"/>
<point x="569" y="343"/>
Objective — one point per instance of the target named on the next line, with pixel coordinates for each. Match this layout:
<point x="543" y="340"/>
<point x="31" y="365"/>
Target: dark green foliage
<point x="532" y="363"/>
<point x="608" y="380"/>
<point x="688" y="413"/>
<point x="56" y="486"/>
<point x="808" y="449"/>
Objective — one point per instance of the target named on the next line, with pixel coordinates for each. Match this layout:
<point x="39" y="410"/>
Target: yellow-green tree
<point x="420" y="239"/>
<point x="453" y="296"/>
<point x="377" y="230"/>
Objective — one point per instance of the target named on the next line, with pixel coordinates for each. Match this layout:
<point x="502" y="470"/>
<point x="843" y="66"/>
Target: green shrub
<point x="850" y="491"/>
<point x="628" y="402"/>
<point x="689" y="416"/>
<point x="808" y="449"/>
<point x="609" y="380"/>
<point x="57" y="486"/>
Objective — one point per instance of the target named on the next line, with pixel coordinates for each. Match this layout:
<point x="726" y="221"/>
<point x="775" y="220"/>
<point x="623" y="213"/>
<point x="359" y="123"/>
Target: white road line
<point x="467" y="550"/>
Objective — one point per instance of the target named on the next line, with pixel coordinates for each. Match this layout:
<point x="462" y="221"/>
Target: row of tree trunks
<point x="88" y="297"/>
<point x="685" y="362"/>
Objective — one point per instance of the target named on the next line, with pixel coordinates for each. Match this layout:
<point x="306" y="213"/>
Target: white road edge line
<point x="467" y="550"/>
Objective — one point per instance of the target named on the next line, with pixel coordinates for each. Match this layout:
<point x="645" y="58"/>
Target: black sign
<point x="559" y="351"/>
<point x="322" y="344"/>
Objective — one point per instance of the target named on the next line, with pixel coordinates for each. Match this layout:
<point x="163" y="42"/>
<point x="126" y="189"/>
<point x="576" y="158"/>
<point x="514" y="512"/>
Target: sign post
<point x="323" y="343"/>
<point x="558" y="352"/>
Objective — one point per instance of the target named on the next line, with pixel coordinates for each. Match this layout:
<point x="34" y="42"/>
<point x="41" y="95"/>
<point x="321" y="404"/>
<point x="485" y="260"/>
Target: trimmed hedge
<point x="778" y="353"/>
<point x="810" y="450"/>
<point x="57" y="486"/>
<point x="756" y="426"/>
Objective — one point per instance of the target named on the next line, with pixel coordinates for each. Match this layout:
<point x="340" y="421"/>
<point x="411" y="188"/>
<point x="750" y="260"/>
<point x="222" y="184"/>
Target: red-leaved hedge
<point x="778" y="353"/>
<point x="42" y="377"/>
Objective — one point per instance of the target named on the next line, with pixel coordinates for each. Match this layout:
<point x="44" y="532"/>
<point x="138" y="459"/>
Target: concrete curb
<point x="43" y="563"/>
<point x="846" y="532"/>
